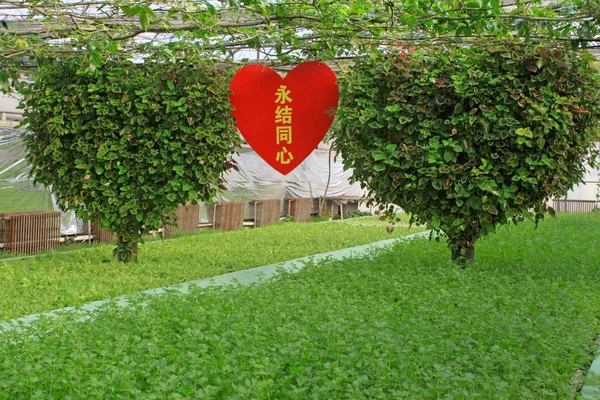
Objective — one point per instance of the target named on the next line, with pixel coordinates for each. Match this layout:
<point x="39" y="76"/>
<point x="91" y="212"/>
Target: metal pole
<point x="215" y="215"/>
<point x="255" y="206"/>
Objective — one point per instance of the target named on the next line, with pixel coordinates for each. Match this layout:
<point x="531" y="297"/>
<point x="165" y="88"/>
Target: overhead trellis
<point x="280" y="30"/>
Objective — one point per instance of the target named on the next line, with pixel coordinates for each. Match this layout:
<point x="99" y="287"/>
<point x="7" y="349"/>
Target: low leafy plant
<point x="328" y="215"/>
<point x="470" y="138"/>
<point x="68" y="279"/>
<point x="320" y="218"/>
<point x="404" y="324"/>
<point x="288" y="218"/>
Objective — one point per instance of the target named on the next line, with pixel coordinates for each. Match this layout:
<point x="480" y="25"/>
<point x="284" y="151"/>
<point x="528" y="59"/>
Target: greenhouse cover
<point x="255" y="180"/>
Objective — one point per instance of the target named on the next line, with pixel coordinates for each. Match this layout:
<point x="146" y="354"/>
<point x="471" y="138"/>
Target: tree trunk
<point x="464" y="255"/>
<point x="126" y="251"/>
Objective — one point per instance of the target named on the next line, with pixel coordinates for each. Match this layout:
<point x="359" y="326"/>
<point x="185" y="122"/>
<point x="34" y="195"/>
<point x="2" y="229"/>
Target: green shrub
<point x="469" y="138"/>
<point x="127" y="143"/>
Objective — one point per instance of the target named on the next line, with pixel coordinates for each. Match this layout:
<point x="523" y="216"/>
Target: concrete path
<point x="591" y="384"/>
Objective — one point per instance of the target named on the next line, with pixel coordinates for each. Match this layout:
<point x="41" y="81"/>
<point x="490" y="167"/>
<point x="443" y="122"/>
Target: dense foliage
<point x="45" y="283"/>
<point x="404" y="324"/>
<point x="469" y="138"/>
<point x="126" y="143"/>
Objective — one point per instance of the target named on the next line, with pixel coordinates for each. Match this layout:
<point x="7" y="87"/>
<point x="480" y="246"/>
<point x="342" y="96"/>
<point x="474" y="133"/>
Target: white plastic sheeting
<point x="257" y="180"/>
<point x="17" y="191"/>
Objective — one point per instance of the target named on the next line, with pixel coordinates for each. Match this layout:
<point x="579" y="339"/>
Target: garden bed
<point x="406" y="323"/>
<point x="62" y="279"/>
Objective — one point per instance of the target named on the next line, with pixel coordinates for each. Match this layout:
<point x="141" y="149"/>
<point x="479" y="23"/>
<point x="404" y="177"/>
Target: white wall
<point x="8" y="106"/>
<point x="9" y="103"/>
<point x="589" y="191"/>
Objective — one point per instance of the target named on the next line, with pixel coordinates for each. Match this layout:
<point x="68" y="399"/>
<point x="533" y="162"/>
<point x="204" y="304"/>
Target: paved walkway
<point x="591" y="385"/>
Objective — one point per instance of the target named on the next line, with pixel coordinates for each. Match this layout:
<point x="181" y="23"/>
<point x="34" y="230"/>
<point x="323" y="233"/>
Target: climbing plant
<point x="286" y="30"/>
<point x="469" y="138"/>
<point x="127" y="142"/>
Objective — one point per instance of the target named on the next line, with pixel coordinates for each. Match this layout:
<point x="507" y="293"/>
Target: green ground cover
<point x="403" y="324"/>
<point x="67" y="279"/>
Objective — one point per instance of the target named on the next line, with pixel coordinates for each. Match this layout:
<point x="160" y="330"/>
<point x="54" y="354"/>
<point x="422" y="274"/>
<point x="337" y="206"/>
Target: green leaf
<point x="449" y="156"/>
<point x="143" y="12"/>
<point x="379" y="155"/>
<point x="475" y="202"/>
<point x="495" y="6"/>
<point x="525" y="132"/>
<point x="492" y="210"/>
<point x="541" y="142"/>
<point x="117" y="127"/>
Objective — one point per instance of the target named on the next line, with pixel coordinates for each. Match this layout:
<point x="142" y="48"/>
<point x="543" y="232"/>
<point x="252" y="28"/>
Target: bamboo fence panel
<point x="265" y="211"/>
<point x="227" y="216"/>
<point x="298" y="208"/>
<point x="30" y="232"/>
<point x="574" y="206"/>
<point x="188" y="217"/>
<point x="101" y="235"/>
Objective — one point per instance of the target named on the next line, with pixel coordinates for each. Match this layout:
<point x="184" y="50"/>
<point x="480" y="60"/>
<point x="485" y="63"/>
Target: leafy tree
<point x="126" y="143"/>
<point x="469" y="138"/>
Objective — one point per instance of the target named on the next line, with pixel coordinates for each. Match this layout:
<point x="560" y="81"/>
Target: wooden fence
<point x="264" y="212"/>
<point x="226" y="216"/>
<point x="574" y="206"/>
<point x="298" y="208"/>
<point x="187" y="220"/>
<point x="101" y="235"/>
<point x="30" y="232"/>
<point x="188" y="217"/>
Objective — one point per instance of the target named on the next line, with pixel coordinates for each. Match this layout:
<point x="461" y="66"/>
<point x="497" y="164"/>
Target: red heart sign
<point x="284" y="120"/>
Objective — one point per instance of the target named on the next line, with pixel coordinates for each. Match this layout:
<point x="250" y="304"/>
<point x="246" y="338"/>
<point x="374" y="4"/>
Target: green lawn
<point x="67" y="279"/>
<point x="405" y="324"/>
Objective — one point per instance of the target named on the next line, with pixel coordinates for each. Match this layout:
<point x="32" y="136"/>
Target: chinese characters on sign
<point x="284" y="118"/>
<point x="283" y="124"/>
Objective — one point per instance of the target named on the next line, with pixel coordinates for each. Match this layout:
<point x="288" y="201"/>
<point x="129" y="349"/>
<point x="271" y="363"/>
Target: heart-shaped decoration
<point x="284" y="119"/>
